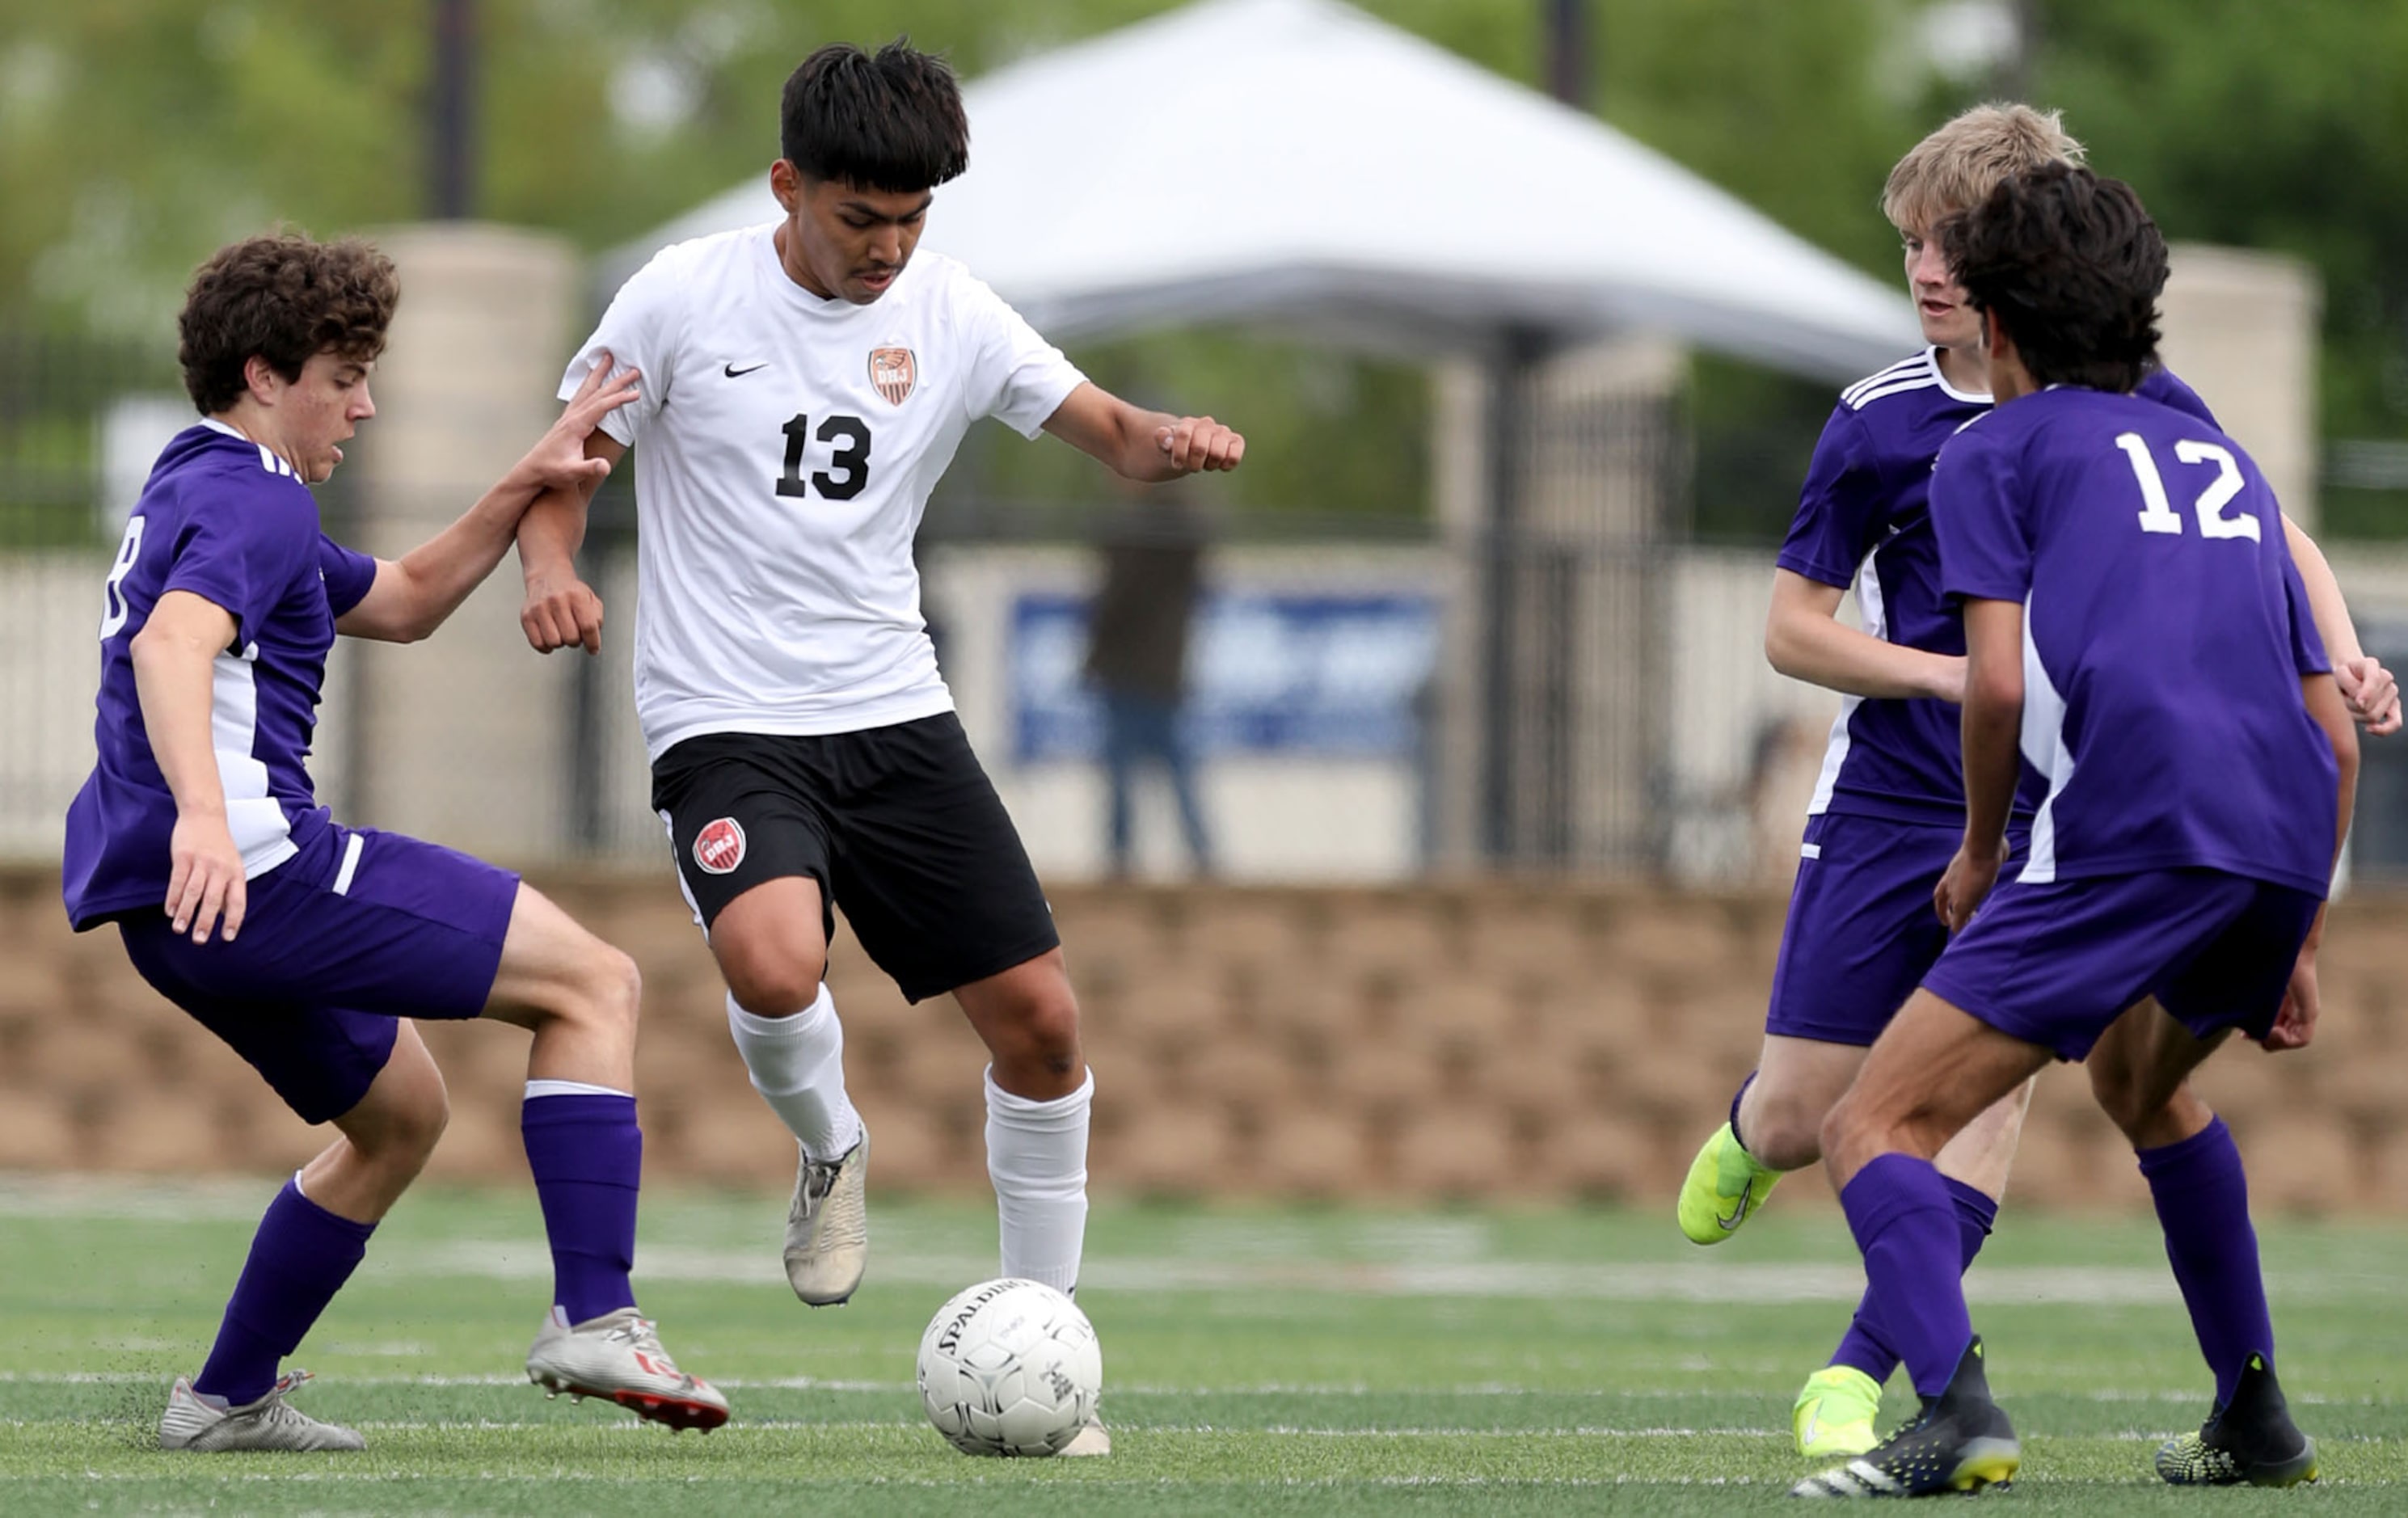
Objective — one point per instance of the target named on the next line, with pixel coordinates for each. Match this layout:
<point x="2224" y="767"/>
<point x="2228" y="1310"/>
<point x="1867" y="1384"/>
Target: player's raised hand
<point x="2295" y="1023"/>
<point x="560" y="460"/>
<point x="205" y="880"/>
<point x="561" y="611"/>
<point x="2371" y="692"/>
<point x="1965" y="887"/>
<point x="1197" y="443"/>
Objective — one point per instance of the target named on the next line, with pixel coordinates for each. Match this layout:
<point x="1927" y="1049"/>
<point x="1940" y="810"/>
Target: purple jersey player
<point x="2136" y="627"/>
<point x="307" y="945"/>
<point x="1889" y="811"/>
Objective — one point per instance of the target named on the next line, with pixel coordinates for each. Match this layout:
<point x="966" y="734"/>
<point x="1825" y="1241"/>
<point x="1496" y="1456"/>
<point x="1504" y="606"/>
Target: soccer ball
<point x="1009" y="1368"/>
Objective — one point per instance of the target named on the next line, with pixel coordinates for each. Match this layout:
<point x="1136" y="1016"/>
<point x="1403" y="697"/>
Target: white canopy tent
<point x="1299" y="165"/>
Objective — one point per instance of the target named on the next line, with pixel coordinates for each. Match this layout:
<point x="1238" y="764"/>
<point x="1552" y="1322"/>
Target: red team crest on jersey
<point x="894" y="371"/>
<point x="720" y="846"/>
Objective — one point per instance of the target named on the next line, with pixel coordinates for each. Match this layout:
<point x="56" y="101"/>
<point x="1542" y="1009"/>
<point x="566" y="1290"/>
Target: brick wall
<point x="1493" y="1041"/>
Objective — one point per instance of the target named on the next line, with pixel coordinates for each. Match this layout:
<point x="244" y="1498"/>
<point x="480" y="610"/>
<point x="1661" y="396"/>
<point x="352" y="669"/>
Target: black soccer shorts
<point x="899" y="825"/>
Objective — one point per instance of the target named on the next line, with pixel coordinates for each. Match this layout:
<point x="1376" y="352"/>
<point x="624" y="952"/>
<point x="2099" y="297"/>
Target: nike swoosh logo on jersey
<point x="734" y="373"/>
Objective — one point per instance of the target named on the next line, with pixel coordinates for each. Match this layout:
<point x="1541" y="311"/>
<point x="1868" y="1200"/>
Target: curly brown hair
<point x="284" y="297"/>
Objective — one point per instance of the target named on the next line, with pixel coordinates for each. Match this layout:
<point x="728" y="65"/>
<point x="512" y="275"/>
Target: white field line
<point x="1731" y="1284"/>
<point x="2181" y="1395"/>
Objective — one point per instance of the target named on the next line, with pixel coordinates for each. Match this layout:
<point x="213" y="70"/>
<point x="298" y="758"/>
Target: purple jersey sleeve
<point x="243" y="558"/>
<point x="2161" y="386"/>
<point x="1985" y="544"/>
<point x="1841" y="509"/>
<point x="2308" y="653"/>
<point x="348" y="575"/>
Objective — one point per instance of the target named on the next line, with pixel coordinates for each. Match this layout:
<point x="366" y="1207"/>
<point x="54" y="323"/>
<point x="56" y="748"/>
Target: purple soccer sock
<point x="299" y="1259"/>
<point x="2203" y="1206"/>
<point x="1899" y="1210"/>
<point x="1862" y="1346"/>
<point x="588" y="1158"/>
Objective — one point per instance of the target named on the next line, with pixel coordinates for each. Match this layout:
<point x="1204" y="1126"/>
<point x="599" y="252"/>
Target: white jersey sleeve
<point x="1015" y="376"/>
<point x="639" y="331"/>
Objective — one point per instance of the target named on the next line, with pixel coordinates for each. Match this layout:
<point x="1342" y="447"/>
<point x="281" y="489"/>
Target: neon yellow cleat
<point x="1725" y="1185"/>
<point x="1833" y="1417"/>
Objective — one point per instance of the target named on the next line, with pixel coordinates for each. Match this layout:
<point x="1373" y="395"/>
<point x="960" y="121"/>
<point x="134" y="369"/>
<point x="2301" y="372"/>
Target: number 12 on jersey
<point x="850" y="461"/>
<point x="2157" y="514"/>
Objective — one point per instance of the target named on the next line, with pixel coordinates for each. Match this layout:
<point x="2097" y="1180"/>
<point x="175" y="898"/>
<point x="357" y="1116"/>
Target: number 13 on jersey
<point x="850" y="460"/>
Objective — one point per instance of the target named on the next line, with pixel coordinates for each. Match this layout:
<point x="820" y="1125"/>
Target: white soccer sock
<point x="1037" y="1155"/>
<point x="797" y="1066"/>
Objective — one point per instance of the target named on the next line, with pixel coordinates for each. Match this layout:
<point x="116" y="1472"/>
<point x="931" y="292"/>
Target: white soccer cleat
<point x="827" y="1226"/>
<point x="269" y="1424"/>
<point x="1093" y="1438"/>
<point x="618" y="1356"/>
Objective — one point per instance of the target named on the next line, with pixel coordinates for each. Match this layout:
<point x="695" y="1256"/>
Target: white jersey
<point x="786" y="447"/>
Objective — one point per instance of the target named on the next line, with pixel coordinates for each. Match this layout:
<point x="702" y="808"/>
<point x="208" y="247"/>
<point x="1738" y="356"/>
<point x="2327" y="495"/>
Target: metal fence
<point x="1597" y="700"/>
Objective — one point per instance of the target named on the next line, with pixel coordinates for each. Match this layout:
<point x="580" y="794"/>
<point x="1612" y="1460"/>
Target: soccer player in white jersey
<point x="806" y="381"/>
<point x="1889" y="813"/>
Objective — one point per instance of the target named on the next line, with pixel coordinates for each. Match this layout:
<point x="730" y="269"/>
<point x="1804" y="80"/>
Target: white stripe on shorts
<point x="350" y="864"/>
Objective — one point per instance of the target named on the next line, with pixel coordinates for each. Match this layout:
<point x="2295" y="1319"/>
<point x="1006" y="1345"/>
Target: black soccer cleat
<point x="2249" y="1440"/>
<point x="1961" y="1441"/>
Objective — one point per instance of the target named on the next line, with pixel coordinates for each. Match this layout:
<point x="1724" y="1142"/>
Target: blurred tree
<point x="2268" y="126"/>
<point x="138" y="135"/>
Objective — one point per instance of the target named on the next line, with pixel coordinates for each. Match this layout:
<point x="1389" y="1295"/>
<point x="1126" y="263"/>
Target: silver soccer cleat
<point x="1093" y="1438"/>
<point x="827" y="1226"/>
<point x="618" y="1356"/>
<point x="268" y="1423"/>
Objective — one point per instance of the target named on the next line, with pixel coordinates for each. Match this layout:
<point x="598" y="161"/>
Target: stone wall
<point x="1494" y="1043"/>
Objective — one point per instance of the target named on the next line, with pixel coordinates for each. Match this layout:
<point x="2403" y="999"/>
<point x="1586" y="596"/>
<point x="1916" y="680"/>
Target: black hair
<point x="886" y="121"/>
<point x="2070" y="266"/>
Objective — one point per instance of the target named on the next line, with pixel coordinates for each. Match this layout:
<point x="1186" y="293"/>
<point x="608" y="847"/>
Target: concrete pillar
<point x="465" y="739"/>
<point x="2240" y="328"/>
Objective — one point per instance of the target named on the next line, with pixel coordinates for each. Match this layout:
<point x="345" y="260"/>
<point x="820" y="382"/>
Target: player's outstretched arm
<point x="1805" y="640"/>
<point x="1149" y="447"/>
<point x="174" y="656"/>
<point x="2295" y="1023"/>
<point x="412" y="595"/>
<point x="2367" y="689"/>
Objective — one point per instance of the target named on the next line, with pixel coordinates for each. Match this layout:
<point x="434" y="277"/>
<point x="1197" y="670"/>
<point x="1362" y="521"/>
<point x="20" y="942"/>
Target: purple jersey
<point x="2165" y="632"/>
<point x="227" y="520"/>
<point x="1864" y="520"/>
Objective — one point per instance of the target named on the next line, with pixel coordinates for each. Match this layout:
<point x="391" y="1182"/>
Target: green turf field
<point x="1303" y="1362"/>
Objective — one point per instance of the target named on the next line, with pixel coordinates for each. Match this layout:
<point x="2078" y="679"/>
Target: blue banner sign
<point x="1324" y="674"/>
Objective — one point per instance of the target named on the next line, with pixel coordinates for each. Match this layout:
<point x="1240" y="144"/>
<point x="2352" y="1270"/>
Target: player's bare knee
<point x="616" y="997"/>
<point x="777" y="981"/>
<point x="404" y="1136"/>
<point x="1043" y="1036"/>
<point x="2122" y="1094"/>
<point x="1784" y="1132"/>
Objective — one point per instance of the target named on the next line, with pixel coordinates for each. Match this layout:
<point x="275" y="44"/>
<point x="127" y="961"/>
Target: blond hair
<point x="1957" y="165"/>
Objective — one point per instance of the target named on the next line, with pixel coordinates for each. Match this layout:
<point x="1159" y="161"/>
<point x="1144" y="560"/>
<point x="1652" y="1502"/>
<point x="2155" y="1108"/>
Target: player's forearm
<point x="2331" y="714"/>
<point x="1991" y="733"/>
<point x="1838" y="657"/>
<point x="550" y="532"/>
<point x="2325" y="603"/>
<point x="439" y="574"/>
<point x="173" y="685"/>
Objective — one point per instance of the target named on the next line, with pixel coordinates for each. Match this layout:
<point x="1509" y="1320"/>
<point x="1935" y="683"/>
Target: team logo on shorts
<point x="720" y="846"/>
<point x="894" y="371"/>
